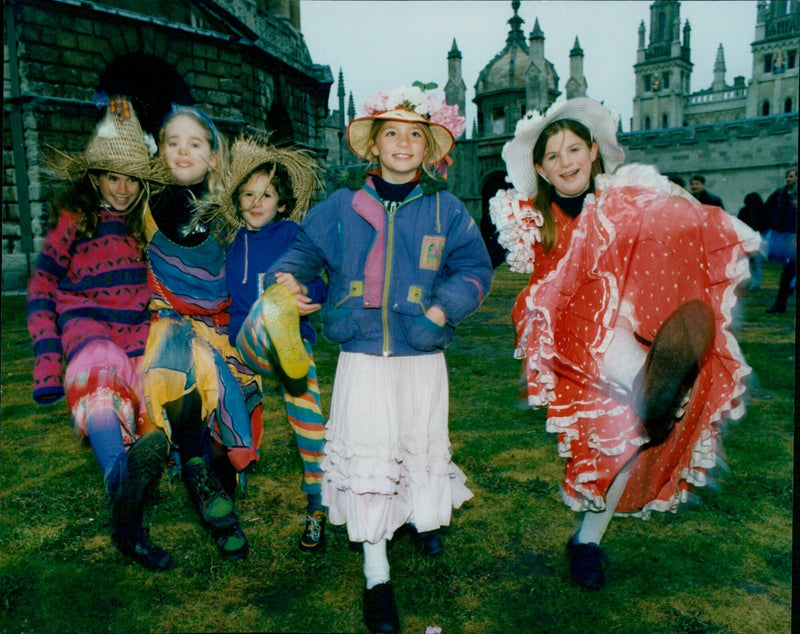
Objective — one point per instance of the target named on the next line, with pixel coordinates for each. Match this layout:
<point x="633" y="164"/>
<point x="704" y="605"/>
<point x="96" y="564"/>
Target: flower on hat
<point x="532" y="118"/>
<point x="404" y="98"/>
<point x="518" y="225"/>
<point x="416" y="99"/>
<point x="446" y="116"/>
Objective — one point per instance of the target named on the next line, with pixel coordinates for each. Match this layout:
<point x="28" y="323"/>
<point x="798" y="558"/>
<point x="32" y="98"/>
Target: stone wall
<point x="736" y="157"/>
<point x="57" y="50"/>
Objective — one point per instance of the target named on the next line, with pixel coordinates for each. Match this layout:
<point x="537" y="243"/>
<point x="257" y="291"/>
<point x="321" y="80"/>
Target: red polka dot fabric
<point x="638" y="250"/>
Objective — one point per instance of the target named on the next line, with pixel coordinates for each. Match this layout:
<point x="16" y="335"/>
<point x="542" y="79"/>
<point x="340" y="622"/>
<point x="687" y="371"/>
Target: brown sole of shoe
<point x="678" y="347"/>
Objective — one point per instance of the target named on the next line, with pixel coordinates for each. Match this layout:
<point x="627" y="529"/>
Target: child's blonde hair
<point x="217" y="142"/>
<point x="430" y="143"/>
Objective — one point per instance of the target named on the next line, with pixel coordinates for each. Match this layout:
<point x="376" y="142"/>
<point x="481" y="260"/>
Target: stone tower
<point x="663" y="69"/>
<point x="455" y="92"/>
<point x="576" y="84"/>
<point x="773" y="88"/>
<point x="518" y="79"/>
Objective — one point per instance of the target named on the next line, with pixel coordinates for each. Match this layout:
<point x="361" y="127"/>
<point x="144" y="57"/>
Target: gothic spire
<point x="515" y="35"/>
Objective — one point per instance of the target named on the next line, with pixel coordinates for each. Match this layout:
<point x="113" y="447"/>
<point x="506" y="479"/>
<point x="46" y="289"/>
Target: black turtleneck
<point x="570" y="206"/>
<point x="174" y="210"/>
<point x="393" y="192"/>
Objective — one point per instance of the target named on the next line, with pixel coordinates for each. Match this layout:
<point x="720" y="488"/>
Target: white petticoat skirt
<point x="387" y="455"/>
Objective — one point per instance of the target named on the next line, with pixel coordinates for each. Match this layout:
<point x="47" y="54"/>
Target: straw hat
<point x="409" y="105"/>
<point x="250" y="151"/>
<point x="117" y="145"/>
<point x="602" y="123"/>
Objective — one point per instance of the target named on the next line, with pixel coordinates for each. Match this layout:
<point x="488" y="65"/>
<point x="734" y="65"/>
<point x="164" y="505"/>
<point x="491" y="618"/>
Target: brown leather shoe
<point x="671" y="366"/>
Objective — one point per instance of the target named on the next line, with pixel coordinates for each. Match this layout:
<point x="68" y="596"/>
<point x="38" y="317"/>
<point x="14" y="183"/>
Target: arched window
<point x="664" y="120"/>
<point x="151" y="83"/>
<point x="787" y="105"/>
<point x="647" y="123"/>
<point x="280" y="122"/>
<point x="765" y="109"/>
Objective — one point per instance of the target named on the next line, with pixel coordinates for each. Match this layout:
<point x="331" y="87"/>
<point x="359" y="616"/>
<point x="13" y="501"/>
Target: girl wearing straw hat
<point x="624" y="327"/>
<point x="267" y="191"/>
<point x="87" y="303"/>
<point x="196" y="387"/>
<point x="405" y="263"/>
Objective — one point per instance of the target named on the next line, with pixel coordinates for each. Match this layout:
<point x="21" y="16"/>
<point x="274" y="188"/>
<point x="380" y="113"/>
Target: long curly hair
<point x="83" y="199"/>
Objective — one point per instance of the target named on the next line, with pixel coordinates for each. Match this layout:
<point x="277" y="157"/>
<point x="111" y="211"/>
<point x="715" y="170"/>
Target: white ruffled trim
<point x="518" y="226"/>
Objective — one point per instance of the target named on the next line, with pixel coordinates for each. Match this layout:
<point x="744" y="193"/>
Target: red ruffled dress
<point x="639" y="249"/>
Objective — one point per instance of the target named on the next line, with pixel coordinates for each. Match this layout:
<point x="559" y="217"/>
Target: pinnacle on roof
<point x="515" y="35"/>
<point x="537" y="32"/>
<point x="454" y="52"/>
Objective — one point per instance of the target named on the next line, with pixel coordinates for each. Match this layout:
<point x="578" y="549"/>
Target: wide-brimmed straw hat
<point x="117" y="145"/>
<point x="601" y="122"/>
<point x="408" y="105"/>
<point x="250" y="151"/>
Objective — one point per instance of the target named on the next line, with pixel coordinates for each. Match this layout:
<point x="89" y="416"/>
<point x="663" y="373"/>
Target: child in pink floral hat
<point x="405" y="263"/>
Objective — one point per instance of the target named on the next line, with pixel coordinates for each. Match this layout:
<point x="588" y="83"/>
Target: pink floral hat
<point x="410" y="105"/>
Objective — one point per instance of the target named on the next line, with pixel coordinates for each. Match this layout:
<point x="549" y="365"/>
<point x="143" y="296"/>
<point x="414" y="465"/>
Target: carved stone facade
<point x="663" y="70"/>
<point x="519" y="78"/>
<point x="244" y="62"/>
<point x="742" y="137"/>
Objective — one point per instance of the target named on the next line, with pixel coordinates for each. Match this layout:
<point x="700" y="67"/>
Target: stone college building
<point x="246" y="64"/>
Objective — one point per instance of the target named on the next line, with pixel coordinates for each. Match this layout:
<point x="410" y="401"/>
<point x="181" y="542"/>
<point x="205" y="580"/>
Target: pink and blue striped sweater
<point x="84" y="289"/>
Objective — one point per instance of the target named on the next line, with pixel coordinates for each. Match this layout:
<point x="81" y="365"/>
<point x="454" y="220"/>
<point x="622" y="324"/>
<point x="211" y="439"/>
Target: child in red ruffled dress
<point x="624" y="326"/>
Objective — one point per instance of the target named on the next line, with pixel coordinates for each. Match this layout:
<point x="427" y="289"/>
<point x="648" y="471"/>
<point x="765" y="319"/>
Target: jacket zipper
<point x="387" y="282"/>
<point x="387" y="276"/>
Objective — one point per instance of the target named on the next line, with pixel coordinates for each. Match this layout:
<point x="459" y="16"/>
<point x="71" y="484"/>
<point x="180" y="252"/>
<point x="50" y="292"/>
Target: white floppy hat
<point x="409" y="105"/>
<point x="602" y="123"/>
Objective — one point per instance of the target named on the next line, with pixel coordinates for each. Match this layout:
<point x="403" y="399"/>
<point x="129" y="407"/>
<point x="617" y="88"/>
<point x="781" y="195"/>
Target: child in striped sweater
<point x="87" y="303"/>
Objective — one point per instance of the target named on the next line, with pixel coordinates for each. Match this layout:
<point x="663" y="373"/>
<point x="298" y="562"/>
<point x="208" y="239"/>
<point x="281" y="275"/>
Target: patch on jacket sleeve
<point x="430" y="257"/>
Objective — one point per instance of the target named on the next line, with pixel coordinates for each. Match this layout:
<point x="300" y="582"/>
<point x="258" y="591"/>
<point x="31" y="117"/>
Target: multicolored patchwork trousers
<point x="189" y="357"/>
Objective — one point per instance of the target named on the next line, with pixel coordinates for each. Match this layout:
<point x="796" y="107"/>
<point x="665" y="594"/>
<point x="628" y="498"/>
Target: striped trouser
<point x="304" y="412"/>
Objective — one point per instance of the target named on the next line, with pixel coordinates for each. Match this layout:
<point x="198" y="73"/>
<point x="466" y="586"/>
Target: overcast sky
<point x="381" y="44"/>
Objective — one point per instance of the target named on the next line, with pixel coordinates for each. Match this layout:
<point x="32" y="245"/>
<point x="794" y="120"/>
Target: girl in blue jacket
<point x="405" y="264"/>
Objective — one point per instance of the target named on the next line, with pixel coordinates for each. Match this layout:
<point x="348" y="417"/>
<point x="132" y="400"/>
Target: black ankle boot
<point x="380" y="609"/>
<point x="145" y="462"/>
<point x="134" y="542"/>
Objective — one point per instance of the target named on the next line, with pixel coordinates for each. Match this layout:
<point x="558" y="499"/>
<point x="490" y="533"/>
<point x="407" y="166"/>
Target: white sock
<point x="594" y="523"/>
<point x="623" y="359"/>
<point x="376" y="564"/>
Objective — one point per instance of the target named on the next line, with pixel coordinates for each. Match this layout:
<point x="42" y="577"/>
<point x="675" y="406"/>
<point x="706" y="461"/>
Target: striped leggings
<point x="304" y="412"/>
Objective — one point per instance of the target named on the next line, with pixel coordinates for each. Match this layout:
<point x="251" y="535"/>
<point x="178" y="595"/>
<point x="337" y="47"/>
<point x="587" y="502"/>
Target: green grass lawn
<point x="721" y="564"/>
